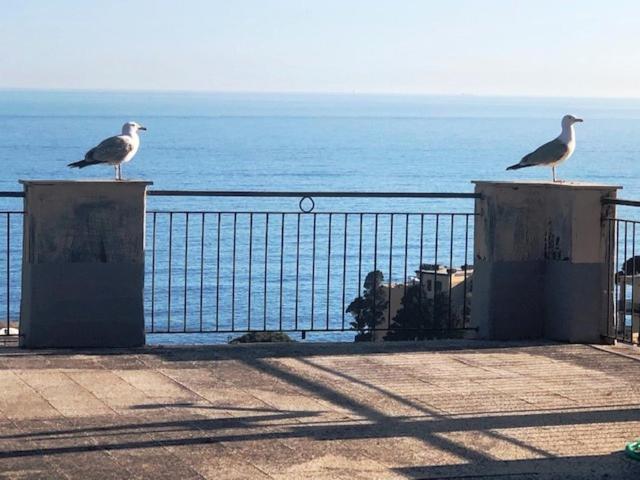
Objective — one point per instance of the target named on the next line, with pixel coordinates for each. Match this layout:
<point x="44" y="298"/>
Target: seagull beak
<point x="577" y="120"/>
<point x="145" y="128"/>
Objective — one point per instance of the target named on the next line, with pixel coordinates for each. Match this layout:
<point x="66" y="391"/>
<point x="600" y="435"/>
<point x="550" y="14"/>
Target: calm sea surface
<point x="311" y="142"/>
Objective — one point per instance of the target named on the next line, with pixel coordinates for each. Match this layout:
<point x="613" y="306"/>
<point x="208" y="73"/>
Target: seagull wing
<point x="112" y="150"/>
<point x="548" y="153"/>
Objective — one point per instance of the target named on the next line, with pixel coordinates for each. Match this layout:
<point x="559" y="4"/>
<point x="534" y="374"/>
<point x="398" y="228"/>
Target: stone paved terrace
<point x="305" y="411"/>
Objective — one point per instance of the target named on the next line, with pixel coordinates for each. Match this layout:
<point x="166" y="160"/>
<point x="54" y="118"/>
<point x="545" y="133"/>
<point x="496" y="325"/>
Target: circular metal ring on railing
<point x="311" y="207"/>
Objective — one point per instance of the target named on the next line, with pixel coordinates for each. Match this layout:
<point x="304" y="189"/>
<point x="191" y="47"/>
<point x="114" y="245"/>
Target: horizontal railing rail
<point x="621" y="201"/>
<point x="284" y="194"/>
<point x="259" y="193"/>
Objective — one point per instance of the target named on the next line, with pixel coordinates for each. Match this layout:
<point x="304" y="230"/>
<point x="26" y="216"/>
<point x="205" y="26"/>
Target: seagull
<point x="114" y="150"/>
<point x="554" y="152"/>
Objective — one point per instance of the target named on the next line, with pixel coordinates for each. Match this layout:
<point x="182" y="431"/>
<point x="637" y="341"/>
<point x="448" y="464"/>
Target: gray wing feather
<point x="548" y="153"/>
<point x="111" y="150"/>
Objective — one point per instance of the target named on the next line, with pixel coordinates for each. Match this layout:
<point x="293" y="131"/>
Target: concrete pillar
<point x="541" y="260"/>
<point x="83" y="264"/>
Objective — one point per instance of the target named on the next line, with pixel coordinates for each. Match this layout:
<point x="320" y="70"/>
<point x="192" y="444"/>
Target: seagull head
<point x="132" y="127"/>
<point x="569" y="120"/>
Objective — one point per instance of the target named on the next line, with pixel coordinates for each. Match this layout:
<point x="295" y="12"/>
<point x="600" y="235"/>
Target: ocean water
<point x="337" y="142"/>
<point x="301" y="142"/>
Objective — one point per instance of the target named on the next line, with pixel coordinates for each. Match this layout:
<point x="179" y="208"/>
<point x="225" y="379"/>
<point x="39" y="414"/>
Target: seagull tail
<point x="79" y="164"/>
<point x="517" y="166"/>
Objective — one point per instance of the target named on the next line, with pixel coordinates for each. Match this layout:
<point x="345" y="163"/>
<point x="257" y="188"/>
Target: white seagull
<point x="114" y="150"/>
<point x="554" y="152"/>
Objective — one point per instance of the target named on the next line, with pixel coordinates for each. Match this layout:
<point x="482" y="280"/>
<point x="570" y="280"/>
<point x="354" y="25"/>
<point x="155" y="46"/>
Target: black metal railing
<point x="257" y="264"/>
<point x="623" y="292"/>
<point x="11" y="220"/>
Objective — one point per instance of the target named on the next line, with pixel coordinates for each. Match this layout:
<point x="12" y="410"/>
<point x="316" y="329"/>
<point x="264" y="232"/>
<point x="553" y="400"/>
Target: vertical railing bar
<point x="360" y="257"/>
<point x="633" y="278"/>
<point x="328" y="272"/>
<point x="375" y="278"/>
<point x="186" y="262"/>
<point x="406" y="253"/>
<point x="617" y="302"/>
<point x="611" y="318"/>
<point x="297" y="270"/>
<point x="391" y="216"/>
<point x="435" y="275"/>
<point x="250" y="271"/>
<point x="281" y="265"/>
<point x="464" y="285"/>
<point x="344" y="269"/>
<point x="420" y="292"/>
<point x="201" y="269"/>
<point x="450" y="272"/>
<point x="170" y="255"/>
<point x="313" y="271"/>
<point x="153" y="273"/>
<point x="266" y="269"/>
<point x="233" y="274"/>
<point x="610" y="278"/>
<point x="8" y="271"/>
<point x="624" y="316"/>
<point x="218" y="273"/>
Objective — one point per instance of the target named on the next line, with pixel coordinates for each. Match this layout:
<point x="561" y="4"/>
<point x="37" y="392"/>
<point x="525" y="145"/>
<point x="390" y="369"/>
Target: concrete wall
<point x="540" y="260"/>
<point x="83" y="264"/>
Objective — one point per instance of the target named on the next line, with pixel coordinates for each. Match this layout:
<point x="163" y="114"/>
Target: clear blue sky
<point x="506" y="47"/>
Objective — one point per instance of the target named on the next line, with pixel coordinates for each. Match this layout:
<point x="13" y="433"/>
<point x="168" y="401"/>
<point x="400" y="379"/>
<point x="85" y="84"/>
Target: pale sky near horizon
<point x="478" y="47"/>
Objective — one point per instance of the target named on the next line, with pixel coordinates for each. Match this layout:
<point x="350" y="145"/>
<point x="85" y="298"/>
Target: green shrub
<point x="262" y="337"/>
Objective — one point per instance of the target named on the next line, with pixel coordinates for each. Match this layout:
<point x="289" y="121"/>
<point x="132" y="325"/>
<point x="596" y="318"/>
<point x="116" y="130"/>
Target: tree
<point x="368" y="309"/>
<point x="419" y="317"/>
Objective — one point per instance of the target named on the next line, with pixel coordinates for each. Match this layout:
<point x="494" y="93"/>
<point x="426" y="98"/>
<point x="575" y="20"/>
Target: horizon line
<point x="311" y="93"/>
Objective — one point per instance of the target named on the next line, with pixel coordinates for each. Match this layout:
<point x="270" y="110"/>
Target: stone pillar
<point x="83" y="264"/>
<point x="541" y="260"/>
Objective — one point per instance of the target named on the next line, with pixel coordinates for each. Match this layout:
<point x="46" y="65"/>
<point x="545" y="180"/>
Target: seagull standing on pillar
<point x="556" y="151"/>
<point x="114" y="150"/>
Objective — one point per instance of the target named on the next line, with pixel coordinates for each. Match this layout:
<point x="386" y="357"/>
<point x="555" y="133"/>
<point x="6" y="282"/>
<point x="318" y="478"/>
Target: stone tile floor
<point x="320" y="411"/>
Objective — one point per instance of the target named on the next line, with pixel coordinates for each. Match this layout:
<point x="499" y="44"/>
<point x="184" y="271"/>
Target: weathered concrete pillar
<point x="83" y="264"/>
<point x="541" y="260"/>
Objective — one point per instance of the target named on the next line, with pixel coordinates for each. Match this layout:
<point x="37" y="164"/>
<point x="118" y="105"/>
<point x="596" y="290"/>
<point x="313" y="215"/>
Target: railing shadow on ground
<point x="188" y="353"/>
<point x="366" y="421"/>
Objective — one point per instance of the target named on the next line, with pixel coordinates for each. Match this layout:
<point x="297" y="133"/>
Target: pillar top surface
<point x="85" y="182"/>
<point x="546" y="183"/>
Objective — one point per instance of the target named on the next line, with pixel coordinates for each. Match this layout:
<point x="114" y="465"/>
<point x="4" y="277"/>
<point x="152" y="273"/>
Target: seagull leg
<point x="553" y="172"/>
<point x="115" y="168"/>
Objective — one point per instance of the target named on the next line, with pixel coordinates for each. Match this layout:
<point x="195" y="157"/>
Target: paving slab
<point x="324" y="411"/>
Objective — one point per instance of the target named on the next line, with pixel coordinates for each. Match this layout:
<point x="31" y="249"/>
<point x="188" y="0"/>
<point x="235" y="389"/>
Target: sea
<point x="297" y="143"/>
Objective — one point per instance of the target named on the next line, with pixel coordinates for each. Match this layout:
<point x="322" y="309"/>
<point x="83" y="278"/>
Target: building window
<point x="438" y="286"/>
<point x="428" y="285"/>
